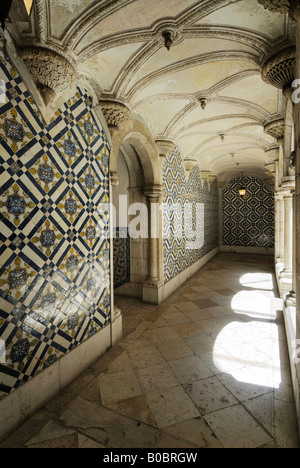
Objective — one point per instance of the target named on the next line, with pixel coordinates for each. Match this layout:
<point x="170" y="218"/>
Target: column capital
<point x="275" y="129"/>
<point x="164" y="147"/>
<point x="288" y="185"/>
<point x="52" y="72"/>
<point x="283" y="6"/>
<point x="114" y="112"/>
<point x="114" y="178"/>
<point x="190" y="163"/>
<point x="279" y="70"/>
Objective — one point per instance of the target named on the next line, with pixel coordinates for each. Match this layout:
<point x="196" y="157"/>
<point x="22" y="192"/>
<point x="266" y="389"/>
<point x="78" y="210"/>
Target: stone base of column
<point x="285" y="282"/>
<point x="152" y="292"/>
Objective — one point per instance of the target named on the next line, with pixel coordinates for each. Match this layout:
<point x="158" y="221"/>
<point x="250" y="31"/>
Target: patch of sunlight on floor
<point x="256" y="304"/>
<point x="249" y="350"/>
<point x="258" y="281"/>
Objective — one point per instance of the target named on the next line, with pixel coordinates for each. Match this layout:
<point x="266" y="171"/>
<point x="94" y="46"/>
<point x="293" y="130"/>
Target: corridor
<point x="206" y="369"/>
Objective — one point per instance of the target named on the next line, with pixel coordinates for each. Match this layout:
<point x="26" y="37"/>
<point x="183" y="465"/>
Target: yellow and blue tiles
<point x="179" y="189"/>
<point x="54" y="247"/>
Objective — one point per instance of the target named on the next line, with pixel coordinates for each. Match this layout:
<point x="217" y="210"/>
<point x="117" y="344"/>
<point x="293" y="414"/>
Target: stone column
<point x="286" y="276"/>
<point x="279" y="228"/>
<point x="153" y="283"/>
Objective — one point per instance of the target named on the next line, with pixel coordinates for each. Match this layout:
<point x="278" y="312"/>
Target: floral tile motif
<point x="17" y="203"/>
<point x="17" y="278"/>
<point x="90" y="181"/>
<point x="88" y="128"/>
<point x="70" y="148"/>
<point x="14" y="130"/>
<point x="71" y="263"/>
<point x="89" y="234"/>
<point x="70" y="206"/>
<point x="47" y="237"/>
<point x="46" y="173"/>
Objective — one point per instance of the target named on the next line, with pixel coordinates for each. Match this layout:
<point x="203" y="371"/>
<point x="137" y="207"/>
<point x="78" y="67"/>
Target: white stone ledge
<point x="27" y="399"/>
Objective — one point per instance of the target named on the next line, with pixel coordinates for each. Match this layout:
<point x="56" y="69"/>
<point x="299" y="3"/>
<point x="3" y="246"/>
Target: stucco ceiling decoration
<point x="217" y="51"/>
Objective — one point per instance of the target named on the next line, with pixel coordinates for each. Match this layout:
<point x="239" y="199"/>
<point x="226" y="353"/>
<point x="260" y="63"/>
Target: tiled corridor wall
<point x="248" y="221"/>
<point x="181" y="188"/>
<point x="54" y="244"/>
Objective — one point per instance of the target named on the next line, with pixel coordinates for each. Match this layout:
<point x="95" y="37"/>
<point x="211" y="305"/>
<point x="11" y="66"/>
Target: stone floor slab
<point x="235" y="428"/>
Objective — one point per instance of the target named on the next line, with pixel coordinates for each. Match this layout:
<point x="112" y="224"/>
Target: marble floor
<point x="206" y="369"/>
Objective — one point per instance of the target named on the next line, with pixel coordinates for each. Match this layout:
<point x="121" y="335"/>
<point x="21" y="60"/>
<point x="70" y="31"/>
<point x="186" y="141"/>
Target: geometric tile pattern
<point x="121" y="256"/>
<point x="178" y="189"/>
<point x="54" y="241"/>
<point x="249" y="220"/>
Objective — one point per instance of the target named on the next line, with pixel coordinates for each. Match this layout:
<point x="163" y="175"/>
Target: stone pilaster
<point x="151" y="288"/>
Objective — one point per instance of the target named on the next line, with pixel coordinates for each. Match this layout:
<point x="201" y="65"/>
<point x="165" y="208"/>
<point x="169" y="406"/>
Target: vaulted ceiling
<point x="217" y="52"/>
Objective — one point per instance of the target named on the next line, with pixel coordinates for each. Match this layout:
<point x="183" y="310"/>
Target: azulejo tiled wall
<point x="180" y="188"/>
<point x="54" y="234"/>
<point x="248" y="221"/>
<point x="121" y="256"/>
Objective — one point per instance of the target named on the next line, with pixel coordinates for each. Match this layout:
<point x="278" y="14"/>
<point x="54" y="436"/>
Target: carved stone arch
<point x="141" y="139"/>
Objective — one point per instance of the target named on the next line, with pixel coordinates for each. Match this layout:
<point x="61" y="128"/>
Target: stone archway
<point x="135" y="156"/>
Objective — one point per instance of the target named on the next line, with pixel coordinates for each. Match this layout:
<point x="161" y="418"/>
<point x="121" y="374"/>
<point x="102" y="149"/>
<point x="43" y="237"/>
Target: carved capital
<point x="205" y="174"/>
<point x="114" y="112"/>
<point x="278" y="6"/>
<point x="282" y="6"/>
<point x="211" y="178"/>
<point x="164" y="147"/>
<point x="279" y="70"/>
<point x="52" y="72"/>
<point x="189" y="163"/>
<point x="275" y="129"/>
<point x="114" y="179"/>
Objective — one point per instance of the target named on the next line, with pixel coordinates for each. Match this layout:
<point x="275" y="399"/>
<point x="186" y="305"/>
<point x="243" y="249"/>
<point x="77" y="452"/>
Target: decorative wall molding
<point x="52" y="72"/>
